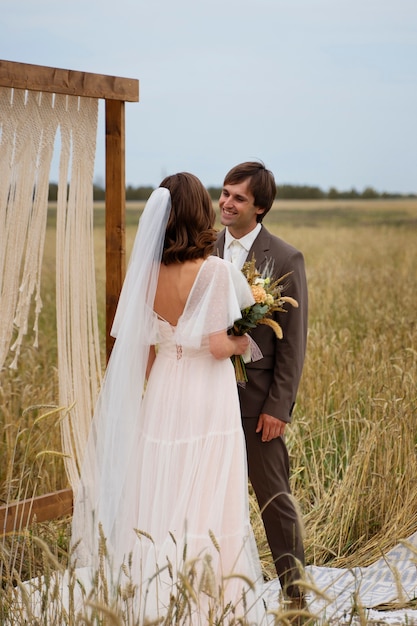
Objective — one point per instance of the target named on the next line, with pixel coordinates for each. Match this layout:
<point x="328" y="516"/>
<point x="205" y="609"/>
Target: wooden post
<point x="115" y="211"/>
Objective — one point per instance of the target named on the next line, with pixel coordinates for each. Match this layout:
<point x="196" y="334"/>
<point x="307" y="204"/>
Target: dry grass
<point x="354" y="433"/>
<point x="353" y="441"/>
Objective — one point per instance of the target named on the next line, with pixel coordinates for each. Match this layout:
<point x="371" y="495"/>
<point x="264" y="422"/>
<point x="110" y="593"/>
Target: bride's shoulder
<point x="217" y="263"/>
<point x="217" y="267"/>
<point x="221" y="272"/>
<point x="221" y="266"/>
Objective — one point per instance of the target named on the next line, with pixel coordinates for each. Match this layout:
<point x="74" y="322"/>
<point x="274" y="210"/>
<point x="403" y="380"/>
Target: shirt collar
<point x="246" y="241"/>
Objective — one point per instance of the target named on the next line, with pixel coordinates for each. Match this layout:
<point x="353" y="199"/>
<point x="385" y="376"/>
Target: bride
<point x="164" y="479"/>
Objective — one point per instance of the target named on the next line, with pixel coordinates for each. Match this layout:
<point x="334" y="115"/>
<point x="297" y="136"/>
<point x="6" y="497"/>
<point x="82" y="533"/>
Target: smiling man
<point x="268" y="399"/>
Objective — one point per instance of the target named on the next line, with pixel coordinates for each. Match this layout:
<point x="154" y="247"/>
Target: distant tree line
<point x="306" y="192"/>
<point x="284" y="192"/>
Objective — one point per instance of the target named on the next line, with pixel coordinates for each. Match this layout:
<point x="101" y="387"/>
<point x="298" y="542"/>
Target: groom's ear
<point x="260" y="213"/>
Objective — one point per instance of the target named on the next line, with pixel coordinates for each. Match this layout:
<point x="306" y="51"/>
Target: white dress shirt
<point x="236" y="250"/>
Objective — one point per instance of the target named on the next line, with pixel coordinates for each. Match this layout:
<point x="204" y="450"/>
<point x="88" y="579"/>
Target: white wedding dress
<point x="186" y="491"/>
<point x="191" y="476"/>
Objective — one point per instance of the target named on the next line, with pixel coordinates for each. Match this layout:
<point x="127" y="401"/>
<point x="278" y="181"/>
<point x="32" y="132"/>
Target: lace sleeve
<point x="218" y="295"/>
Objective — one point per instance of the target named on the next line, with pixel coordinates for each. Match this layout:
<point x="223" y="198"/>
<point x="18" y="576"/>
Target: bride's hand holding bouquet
<point x="241" y="344"/>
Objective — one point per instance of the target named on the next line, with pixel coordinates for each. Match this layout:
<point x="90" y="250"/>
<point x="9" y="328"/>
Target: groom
<point x="268" y="399"/>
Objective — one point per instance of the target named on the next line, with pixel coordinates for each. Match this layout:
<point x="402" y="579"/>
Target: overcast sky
<point x="323" y="91"/>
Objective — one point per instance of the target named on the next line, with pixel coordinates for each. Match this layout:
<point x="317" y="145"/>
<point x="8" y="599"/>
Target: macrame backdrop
<point x="29" y="122"/>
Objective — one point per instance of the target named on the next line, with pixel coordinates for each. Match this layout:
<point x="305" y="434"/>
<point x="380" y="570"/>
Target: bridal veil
<point x="105" y="469"/>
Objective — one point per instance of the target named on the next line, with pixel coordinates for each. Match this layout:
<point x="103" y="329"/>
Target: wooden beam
<point x="55" y="80"/>
<point x="20" y="515"/>
<point x="115" y="211"/>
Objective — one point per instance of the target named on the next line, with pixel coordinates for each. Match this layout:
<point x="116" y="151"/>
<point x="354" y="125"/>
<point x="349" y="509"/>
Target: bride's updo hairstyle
<point x="190" y="230"/>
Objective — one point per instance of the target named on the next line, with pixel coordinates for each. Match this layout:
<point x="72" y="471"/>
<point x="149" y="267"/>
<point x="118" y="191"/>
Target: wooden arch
<point x="115" y="91"/>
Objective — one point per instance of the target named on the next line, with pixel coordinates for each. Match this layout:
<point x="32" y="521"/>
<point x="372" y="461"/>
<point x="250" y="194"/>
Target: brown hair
<point x="261" y="183"/>
<point x="190" y="230"/>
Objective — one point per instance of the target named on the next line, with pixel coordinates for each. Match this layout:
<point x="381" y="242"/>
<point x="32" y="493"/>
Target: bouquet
<point x="267" y="293"/>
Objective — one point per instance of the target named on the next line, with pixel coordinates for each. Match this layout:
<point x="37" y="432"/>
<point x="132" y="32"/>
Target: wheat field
<point x="354" y="433"/>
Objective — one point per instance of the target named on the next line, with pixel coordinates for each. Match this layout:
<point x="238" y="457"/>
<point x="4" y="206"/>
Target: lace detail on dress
<point x="179" y="352"/>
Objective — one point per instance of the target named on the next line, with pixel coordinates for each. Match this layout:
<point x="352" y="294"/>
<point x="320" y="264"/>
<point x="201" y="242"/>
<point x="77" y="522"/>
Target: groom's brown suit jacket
<point x="273" y="381"/>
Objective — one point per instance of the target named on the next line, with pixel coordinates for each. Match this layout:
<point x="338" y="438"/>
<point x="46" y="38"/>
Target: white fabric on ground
<point x="392" y="578"/>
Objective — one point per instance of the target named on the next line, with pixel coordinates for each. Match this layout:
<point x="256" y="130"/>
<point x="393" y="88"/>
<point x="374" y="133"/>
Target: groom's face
<point x="237" y="209"/>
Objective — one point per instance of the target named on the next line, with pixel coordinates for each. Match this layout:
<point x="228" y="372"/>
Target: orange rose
<point x="258" y="293"/>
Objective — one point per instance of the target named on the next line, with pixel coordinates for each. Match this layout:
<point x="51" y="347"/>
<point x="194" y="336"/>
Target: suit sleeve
<point x="290" y="350"/>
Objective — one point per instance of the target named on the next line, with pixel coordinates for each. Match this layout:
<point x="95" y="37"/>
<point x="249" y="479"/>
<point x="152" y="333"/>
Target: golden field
<point x="354" y="432"/>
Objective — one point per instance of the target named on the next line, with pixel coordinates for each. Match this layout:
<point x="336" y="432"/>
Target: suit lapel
<point x="219" y="245"/>
<point x="260" y="248"/>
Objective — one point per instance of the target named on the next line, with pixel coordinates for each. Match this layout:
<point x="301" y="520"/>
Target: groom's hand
<point x="271" y="427"/>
